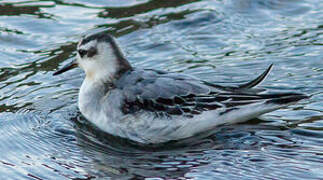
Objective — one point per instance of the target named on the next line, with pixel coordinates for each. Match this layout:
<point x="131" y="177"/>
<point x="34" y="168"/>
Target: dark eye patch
<point x="82" y="52"/>
<point x="91" y="52"/>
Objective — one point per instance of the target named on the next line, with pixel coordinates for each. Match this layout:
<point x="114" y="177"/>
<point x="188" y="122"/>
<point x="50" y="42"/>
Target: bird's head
<point x="100" y="58"/>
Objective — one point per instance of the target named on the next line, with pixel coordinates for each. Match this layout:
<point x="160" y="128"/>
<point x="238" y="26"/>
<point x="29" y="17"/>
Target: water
<point x="43" y="135"/>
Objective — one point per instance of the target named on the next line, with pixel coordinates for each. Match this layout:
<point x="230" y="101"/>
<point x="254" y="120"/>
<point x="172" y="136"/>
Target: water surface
<point x="43" y="135"/>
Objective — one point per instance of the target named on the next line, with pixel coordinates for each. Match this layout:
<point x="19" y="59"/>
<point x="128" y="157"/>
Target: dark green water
<point x="43" y="136"/>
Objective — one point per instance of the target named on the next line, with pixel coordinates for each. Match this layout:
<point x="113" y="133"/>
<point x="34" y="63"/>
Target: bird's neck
<point x="109" y="74"/>
<point x="100" y="77"/>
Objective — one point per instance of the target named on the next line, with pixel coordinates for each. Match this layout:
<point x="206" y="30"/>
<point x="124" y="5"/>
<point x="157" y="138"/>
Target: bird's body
<point x="151" y="106"/>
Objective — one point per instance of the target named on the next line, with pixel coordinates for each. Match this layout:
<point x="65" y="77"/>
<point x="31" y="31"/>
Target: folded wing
<point x="170" y="94"/>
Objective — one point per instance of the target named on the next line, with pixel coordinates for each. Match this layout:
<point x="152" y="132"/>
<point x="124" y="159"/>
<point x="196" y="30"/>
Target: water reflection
<point x="42" y="134"/>
<point x="122" y="12"/>
<point x="115" y="157"/>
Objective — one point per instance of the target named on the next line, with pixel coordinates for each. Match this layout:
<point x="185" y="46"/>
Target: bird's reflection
<point x="120" y="158"/>
<point x="115" y="157"/>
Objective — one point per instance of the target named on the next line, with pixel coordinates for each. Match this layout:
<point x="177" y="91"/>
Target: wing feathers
<point x="168" y="95"/>
<point x="256" y="81"/>
<point x="245" y="86"/>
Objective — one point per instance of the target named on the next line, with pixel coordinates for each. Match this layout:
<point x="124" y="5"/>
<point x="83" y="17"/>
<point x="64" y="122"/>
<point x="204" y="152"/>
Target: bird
<point x="150" y="106"/>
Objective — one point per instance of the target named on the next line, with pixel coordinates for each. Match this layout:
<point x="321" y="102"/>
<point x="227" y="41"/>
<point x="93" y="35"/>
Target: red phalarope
<point x="152" y="106"/>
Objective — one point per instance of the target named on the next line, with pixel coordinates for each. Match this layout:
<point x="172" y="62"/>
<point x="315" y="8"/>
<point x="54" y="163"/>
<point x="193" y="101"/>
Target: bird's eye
<point x="82" y="52"/>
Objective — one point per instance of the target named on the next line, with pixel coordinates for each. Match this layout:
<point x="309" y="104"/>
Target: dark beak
<point x="67" y="67"/>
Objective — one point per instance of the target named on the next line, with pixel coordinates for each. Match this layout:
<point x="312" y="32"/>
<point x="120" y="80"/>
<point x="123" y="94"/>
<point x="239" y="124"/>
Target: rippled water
<point x="43" y="135"/>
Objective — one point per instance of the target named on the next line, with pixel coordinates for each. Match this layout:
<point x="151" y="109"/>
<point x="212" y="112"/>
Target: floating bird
<point x="152" y="106"/>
